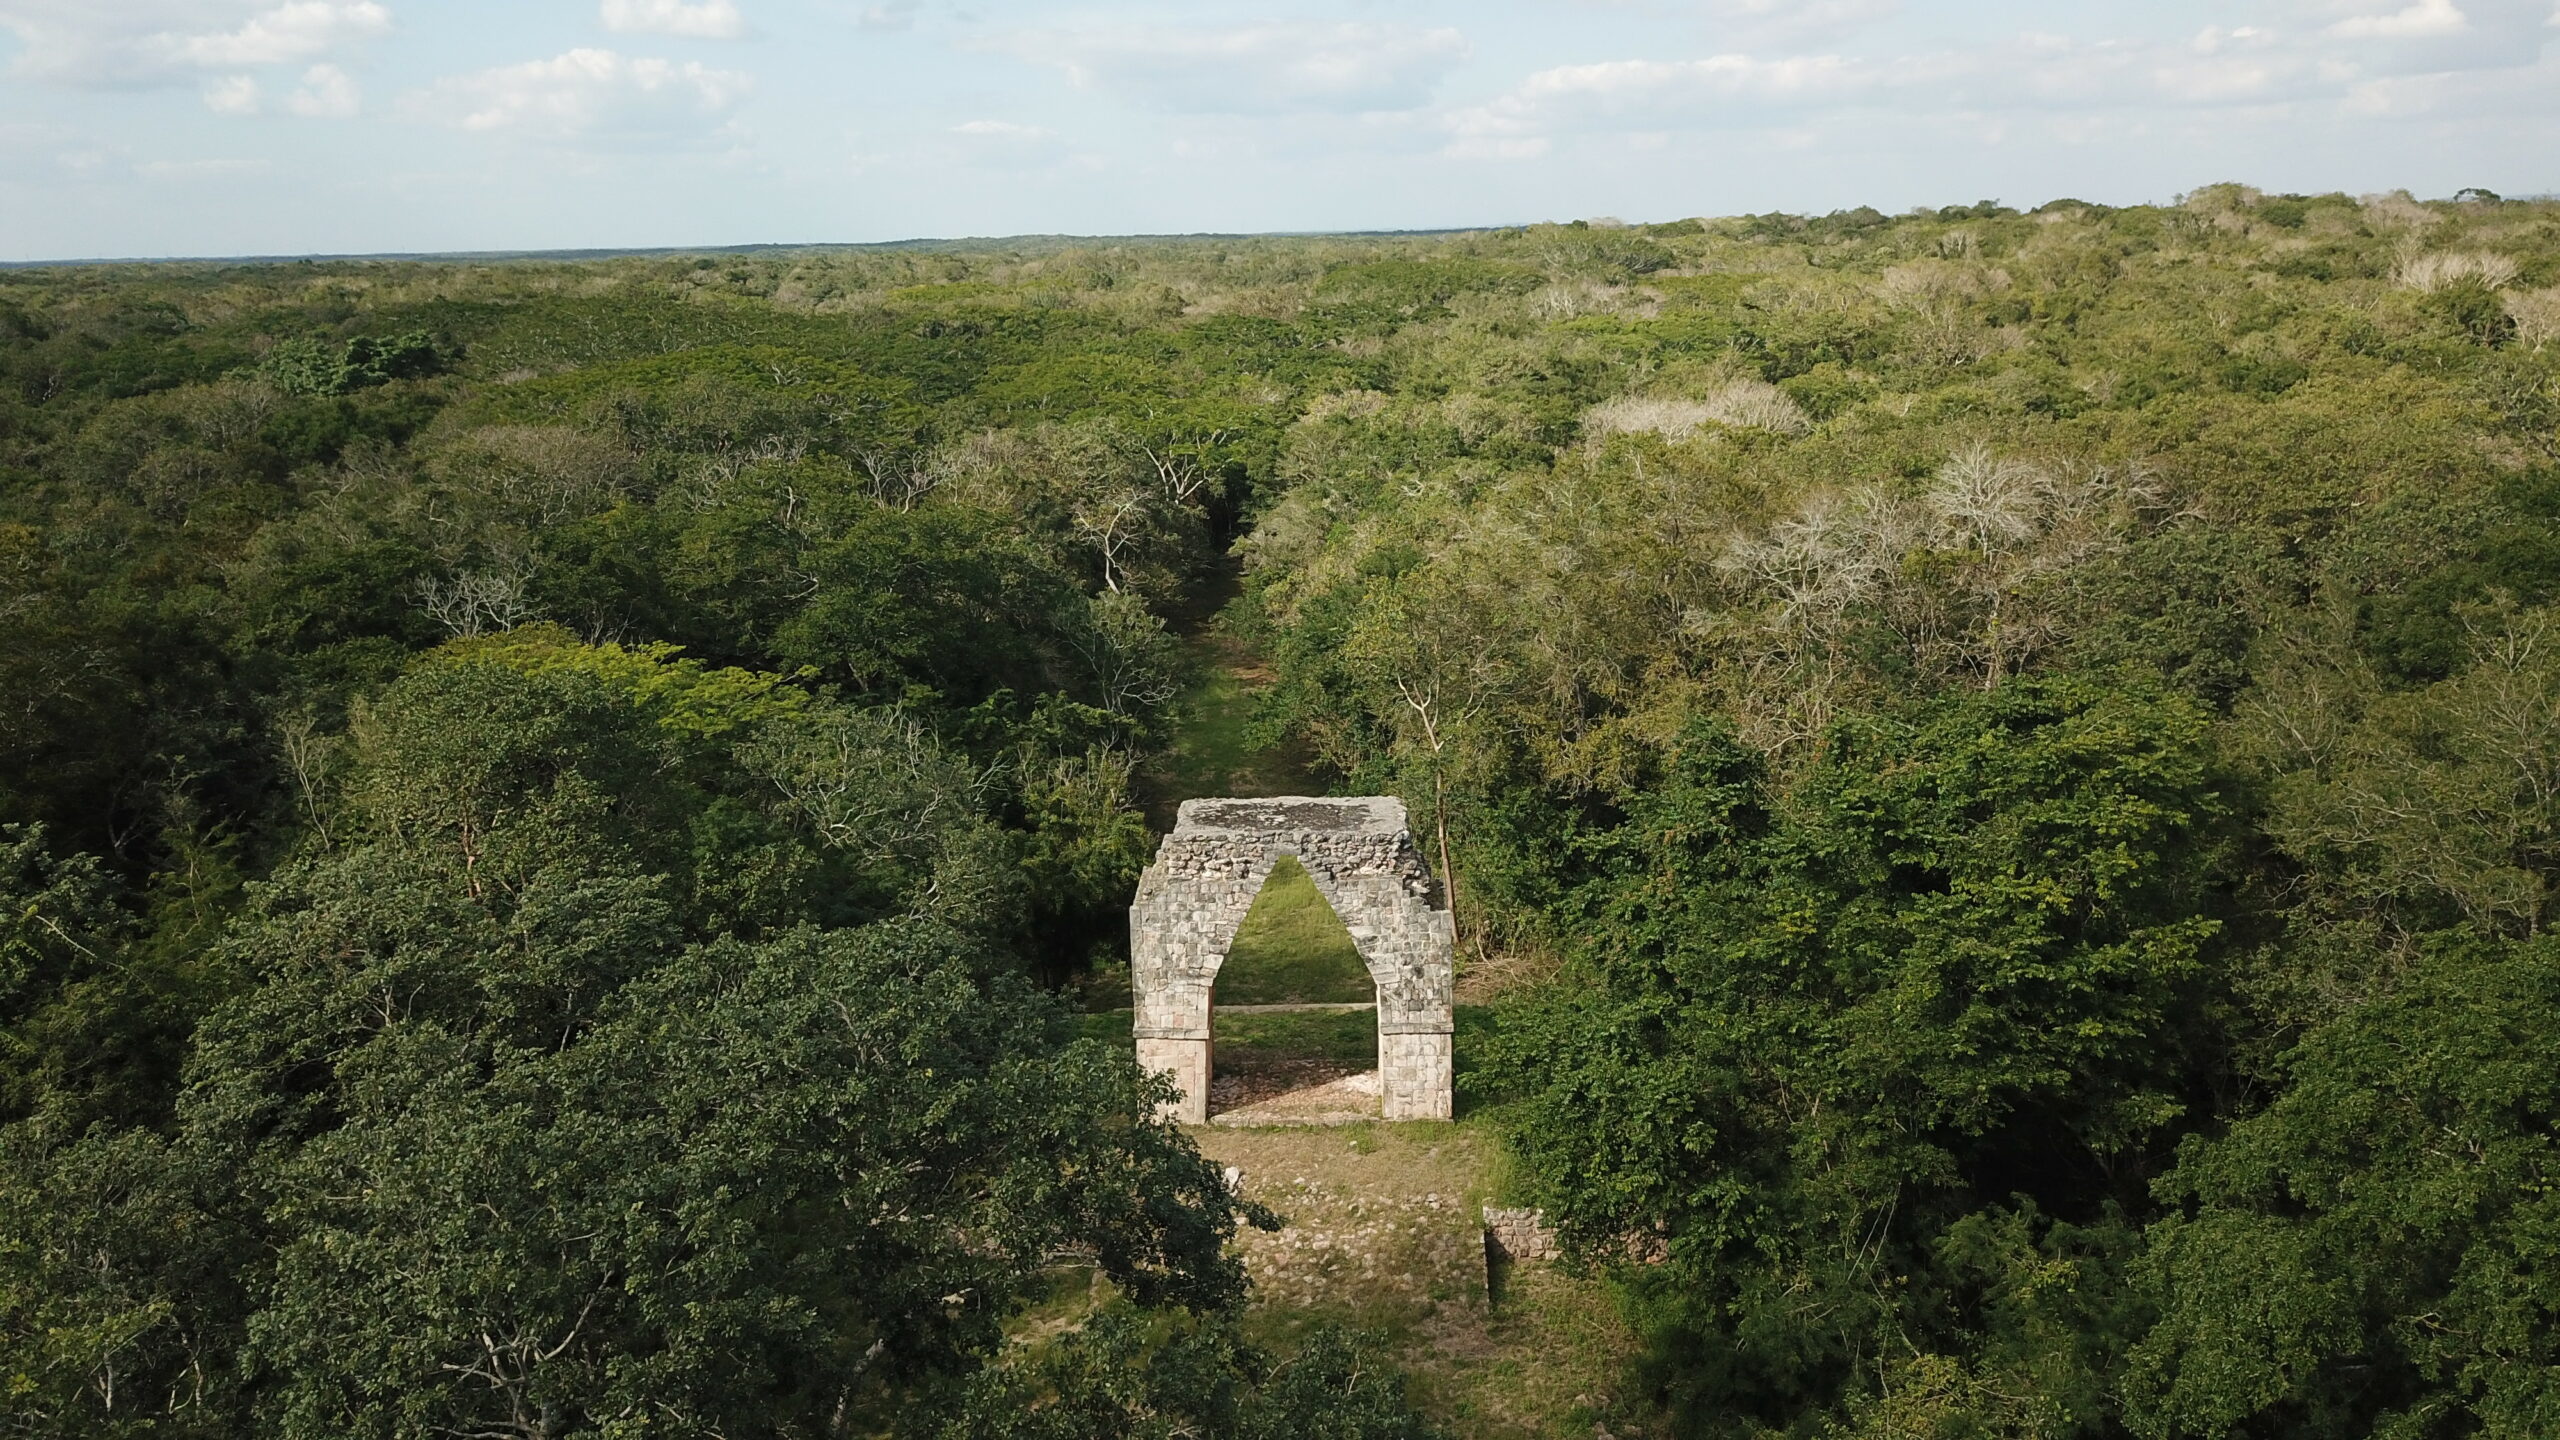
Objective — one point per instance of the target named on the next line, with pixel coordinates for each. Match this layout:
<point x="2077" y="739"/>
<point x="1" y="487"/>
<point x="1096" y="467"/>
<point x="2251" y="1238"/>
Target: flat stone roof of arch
<point x="1293" y="814"/>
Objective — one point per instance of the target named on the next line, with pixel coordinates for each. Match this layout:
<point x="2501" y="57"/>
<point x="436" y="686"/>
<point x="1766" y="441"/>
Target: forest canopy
<point x="2004" y="767"/>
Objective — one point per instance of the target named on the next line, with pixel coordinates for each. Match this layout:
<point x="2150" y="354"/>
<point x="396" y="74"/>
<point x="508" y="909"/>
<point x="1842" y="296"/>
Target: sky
<point x="275" y="127"/>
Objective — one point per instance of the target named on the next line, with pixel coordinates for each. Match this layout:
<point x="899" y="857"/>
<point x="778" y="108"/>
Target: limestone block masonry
<point x="1360" y="854"/>
<point x="1517" y="1235"/>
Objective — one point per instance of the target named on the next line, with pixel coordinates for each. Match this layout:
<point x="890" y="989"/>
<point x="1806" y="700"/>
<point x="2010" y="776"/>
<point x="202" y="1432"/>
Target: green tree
<point x="1958" y="973"/>
<point x="2371" y="1254"/>
<point x="2417" y="808"/>
<point x="96" y="1001"/>
<point x="1112" y="1380"/>
<point x="525" y="1126"/>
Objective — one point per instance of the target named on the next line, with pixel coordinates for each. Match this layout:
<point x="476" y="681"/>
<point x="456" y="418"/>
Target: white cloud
<point x="326" y="93"/>
<point x="1760" y="22"/>
<point x="148" y="42"/>
<point x="2214" y="40"/>
<point x="1488" y="145"/>
<point x="1262" y="69"/>
<point x="999" y="130"/>
<point x="2426" y="20"/>
<point x="1805" y="12"/>
<point x="693" y="19"/>
<point x="1005" y="145"/>
<point x="2355" y="57"/>
<point x="282" y="35"/>
<point x="1754" y="24"/>
<point x="2220" y="79"/>
<point x="2521" y="93"/>
<point x="192" y="170"/>
<point x="1716" y="79"/>
<point x="41" y="153"/>
<point x="590" y="93"/>
<point x="2387" y="37"/>
<point x="234" y="95"/>
<point x="1334" y="122"/>
<point x="1655" y="94"/>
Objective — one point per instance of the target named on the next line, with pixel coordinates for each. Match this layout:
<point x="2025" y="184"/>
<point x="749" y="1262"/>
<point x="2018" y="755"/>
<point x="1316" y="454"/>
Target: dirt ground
<point x="1297" y="1087"/>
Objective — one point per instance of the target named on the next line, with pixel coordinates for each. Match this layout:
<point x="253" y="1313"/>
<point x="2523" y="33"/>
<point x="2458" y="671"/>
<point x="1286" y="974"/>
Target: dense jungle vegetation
<point x="2005" y="767"/>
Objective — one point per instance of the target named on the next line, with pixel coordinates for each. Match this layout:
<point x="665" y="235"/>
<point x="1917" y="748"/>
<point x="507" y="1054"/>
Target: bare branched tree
<point x="1743" y="403"/>
<point x="476" y="602"/>
<point x="1423" y="646"/>
<point x="872" y="782"/>
<point x="1129" y="654"/>
<point x="508" y="1361"/>
<point x="2537" y="316"/>
<point x="1112" y="521"/>
<point x="1179" y="467"/>
<point x="307" y="753"/>
<point x="1965" y="576"/>
<point x="2427" y="271"/>
<point x="716" y="477"/>
<point x="549" y="473"/>
<point x="899" y="482"/>
<point x="2445" y="797"/>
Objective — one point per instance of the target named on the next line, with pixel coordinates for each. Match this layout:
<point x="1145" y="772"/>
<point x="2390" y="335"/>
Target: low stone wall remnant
<point x="1518" y="1235"/>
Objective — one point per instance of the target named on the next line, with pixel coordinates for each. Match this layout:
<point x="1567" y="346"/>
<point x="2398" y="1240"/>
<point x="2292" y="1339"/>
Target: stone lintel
<point x="1276" y="820"/>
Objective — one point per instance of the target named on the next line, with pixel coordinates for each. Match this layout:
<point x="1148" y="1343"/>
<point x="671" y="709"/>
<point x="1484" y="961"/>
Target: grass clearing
<point x="1348" y="1037"/>
<point x="1292" y="948"/>
<point x="1261" y="1057"/>
<point x="1213" y="750"/>
<point x="1384" y="1232"/>
<point x="1298" y="1046"/>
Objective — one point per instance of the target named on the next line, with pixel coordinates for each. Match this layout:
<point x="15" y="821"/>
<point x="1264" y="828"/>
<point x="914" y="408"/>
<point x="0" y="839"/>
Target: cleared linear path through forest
<point x="1213" y="750"/>
<point x="1384" y="1224"/>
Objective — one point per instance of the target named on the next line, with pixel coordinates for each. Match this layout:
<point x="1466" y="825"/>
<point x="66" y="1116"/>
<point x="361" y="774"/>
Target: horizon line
<point x="610" y="252"/>
<point x="618" y="252"/>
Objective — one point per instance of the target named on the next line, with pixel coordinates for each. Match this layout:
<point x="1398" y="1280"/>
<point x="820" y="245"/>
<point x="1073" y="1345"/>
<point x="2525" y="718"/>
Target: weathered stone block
<point x="1517" y="1235"/>
<point x="1187" y="1061"/>
<point x="1417" y="1073"/>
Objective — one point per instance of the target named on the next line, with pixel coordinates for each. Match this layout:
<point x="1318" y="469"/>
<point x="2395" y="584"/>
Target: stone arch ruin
<point x="1193" y="899"/>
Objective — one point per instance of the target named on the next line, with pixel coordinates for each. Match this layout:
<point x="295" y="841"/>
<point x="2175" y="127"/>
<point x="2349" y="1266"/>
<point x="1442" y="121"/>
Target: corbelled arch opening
<point x="1293" y="947"/>
<point x="1293" y="1007"/>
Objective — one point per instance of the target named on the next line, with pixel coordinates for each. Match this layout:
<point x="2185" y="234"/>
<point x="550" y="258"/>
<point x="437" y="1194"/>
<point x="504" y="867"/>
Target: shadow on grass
<point x="1307" y="1043"/>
